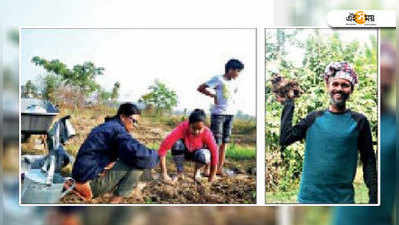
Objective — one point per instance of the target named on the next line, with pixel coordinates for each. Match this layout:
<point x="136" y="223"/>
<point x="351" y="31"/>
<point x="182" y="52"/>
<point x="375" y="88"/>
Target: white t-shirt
<point x="226" y="91"/>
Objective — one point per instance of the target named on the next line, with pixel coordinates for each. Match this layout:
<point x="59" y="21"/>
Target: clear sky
<point x="182" y="58"/>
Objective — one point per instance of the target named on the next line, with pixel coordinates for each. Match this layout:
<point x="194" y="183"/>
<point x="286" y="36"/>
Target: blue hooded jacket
<point x="107" y="143"/>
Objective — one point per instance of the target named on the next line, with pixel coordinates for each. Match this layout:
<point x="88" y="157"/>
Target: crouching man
<point x="110" y="159"/>
<point x="191" y="140"/>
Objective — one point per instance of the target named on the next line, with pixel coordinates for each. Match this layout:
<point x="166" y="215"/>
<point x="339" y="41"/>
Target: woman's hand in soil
<point x="212" y="174"/>
<point x="166" y="178"/>
<point x="211" y="178"/>
<point x="164" y="171"/>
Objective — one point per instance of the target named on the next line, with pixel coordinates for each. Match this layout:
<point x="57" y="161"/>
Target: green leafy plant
<point x="162" y="98"/>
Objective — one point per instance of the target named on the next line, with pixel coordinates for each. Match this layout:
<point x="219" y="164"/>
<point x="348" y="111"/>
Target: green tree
<point x="50" y="84"/>
<point x="162" y="98"/>
<point x="30" y="90"/>
<point x="81" y="75"/>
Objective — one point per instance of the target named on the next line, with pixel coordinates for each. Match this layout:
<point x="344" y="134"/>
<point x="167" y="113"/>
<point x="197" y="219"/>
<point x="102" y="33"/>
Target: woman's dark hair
<point x="126" y="109"/>
<point x="233" y="64"/>
<point x="198" y="115"/>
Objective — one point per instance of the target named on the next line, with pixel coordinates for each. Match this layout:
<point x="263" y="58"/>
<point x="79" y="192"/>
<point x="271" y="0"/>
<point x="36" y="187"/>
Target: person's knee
<point x="128" y="183"/>
<point x="135" y="174"/>
<point x="227" y="136"/>
<point x="226" y="140"/>
<point x="227" y="128"/>
<point x="203" y="156"/>
<point x="178" y="148"/>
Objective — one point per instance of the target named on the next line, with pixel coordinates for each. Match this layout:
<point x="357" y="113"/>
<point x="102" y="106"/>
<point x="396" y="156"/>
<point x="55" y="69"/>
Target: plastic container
<point x="36" y="191"/>
<point x="36" y="116"/>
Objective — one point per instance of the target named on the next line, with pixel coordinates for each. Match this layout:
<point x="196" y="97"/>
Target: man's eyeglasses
<point x="134" y="121"/>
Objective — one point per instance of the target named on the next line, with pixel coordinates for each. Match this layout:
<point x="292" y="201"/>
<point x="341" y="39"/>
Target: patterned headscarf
<point x="340" y="70"/>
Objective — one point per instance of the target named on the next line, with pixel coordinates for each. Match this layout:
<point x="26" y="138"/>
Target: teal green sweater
<point x="333" y="142"/>
<point x="382" y="215"/>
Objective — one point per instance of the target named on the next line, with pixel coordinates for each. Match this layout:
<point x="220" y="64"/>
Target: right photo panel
<point x="322" y="116"/>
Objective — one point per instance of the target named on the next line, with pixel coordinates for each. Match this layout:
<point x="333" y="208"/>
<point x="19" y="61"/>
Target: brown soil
<point x="237" y="189"/>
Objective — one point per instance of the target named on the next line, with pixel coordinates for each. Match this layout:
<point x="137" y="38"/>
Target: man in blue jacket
<point x="110" y="159"/>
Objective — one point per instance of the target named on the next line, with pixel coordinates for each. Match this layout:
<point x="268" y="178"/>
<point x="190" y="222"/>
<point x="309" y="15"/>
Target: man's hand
<point x="280" y="99"/>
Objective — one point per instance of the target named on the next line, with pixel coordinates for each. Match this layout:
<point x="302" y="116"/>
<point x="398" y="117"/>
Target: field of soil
<point x="238" y="188"/>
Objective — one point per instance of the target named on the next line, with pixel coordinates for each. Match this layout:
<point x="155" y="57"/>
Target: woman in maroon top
<point x="190" y="140"/>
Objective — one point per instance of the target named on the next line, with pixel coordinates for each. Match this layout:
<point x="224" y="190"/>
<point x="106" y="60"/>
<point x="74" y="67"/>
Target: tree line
<point x="77" y="86"/>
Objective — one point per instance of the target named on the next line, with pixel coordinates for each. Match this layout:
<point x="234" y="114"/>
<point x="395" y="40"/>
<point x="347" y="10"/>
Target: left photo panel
<point x="137" y="116"/>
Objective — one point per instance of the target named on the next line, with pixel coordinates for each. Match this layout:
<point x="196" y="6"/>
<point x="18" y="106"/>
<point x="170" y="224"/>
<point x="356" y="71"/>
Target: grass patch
<point x="234" y="151"/>
<point x="361" y="195"/>
<point x="237" y="152"/>
<point x="281" y="197"/>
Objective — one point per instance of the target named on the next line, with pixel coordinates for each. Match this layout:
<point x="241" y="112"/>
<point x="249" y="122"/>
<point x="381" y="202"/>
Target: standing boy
<point x="225" y="88"/>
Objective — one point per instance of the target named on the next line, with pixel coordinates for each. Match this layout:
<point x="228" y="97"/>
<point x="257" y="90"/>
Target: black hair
<point x="234" y="64"/>
<point x="126" y="109"/>
<point x="198" y="115"/>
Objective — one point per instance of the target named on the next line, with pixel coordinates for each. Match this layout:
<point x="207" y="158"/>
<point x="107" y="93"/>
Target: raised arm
<point x="368" y="159"/>
<point x="288" y="133"/>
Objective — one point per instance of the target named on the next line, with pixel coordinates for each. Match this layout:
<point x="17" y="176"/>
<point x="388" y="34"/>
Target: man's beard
<point x="339" y="103"/>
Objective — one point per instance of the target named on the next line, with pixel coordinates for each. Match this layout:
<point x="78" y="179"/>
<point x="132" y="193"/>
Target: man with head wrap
<point x="382" y="215"/>
<point x="333" y="137"/>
